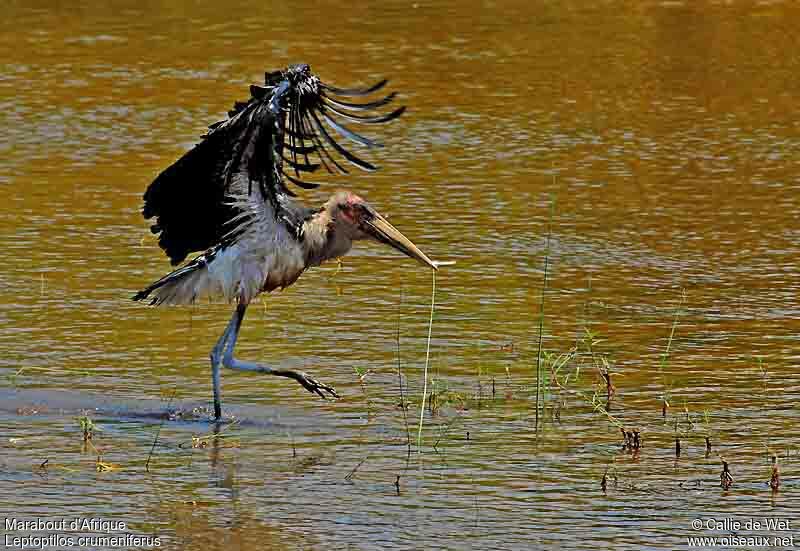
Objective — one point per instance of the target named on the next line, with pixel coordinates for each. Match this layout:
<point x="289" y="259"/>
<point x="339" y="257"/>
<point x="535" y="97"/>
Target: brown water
<point x="666" y="132"/>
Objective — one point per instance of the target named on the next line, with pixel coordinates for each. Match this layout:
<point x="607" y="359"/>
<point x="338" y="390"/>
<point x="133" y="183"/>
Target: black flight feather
<point x="355" y="91"/>
<point x="281" y="128"/>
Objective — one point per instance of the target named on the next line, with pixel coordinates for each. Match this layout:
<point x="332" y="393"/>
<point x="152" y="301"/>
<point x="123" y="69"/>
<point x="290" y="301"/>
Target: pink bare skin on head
<point x="348" y="211"/>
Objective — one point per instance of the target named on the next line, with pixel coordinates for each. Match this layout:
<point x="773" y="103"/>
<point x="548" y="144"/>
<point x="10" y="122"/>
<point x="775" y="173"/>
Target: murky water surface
<point x="668" y="136"/>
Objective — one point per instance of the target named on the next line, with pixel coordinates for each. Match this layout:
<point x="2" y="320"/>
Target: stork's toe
<point x="316" y="387"/>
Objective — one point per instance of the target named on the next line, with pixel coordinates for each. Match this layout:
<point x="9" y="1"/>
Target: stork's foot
<point x="309" y="383"/>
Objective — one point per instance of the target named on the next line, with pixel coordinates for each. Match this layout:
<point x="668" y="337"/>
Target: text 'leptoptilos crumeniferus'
<point x="228" y="197"/>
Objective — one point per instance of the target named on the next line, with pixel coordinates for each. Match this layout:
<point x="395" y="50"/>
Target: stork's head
<point x="353" y="218"/>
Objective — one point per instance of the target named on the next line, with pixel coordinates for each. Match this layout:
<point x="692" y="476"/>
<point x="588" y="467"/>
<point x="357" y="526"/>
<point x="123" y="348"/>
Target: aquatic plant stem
<point x="158" y="431"/>
<point x="665" y="355"/>
<point x="541" y="308"/>
<point x="427" y="361"/>
<point x="403" y="403"/>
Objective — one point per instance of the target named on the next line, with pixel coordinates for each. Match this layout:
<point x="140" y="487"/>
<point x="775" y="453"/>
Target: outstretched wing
<point x="283" y="132"/>
<point x="315" y="115"/>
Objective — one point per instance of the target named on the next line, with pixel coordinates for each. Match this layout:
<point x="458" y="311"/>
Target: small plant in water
<point x="775" y="478"/>
<point x="665" y="396"/>
<point x="541" y="385"/>
<point x="361" y="373"/>
<point x="707" y="430"/>
<point x="441" y="396"/>
<point x="725" y="478"/>
<point x="553" y="381"/>
<point x="604" y="480"/>
<point x="87" y="427"/>
<point x="762" y="370"/>
<point x="631" y="439"/>
<point x="601" y="363"/>
<point x="103" y="466"/>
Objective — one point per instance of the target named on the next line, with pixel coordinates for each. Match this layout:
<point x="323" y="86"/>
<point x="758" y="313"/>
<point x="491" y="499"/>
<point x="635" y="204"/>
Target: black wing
<point x="284" y="131"/>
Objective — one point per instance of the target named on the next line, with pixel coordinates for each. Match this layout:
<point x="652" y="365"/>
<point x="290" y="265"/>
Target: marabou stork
<point x="228" y="197"/>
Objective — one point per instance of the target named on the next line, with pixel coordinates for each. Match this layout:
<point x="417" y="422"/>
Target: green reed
<point x="427" y="360"/>
<point x="542" y="379"/>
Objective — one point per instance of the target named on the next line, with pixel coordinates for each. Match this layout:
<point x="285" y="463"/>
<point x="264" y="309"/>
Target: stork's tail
<point x="183" y="286"/>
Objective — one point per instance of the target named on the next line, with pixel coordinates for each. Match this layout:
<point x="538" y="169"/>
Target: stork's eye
<point x="347" y="212"/>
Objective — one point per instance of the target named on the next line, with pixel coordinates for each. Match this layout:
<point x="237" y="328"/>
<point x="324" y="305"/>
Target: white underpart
<point x="265" y="256"/>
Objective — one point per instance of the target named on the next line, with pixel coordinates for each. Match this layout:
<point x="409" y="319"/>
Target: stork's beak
<point x="378" y="227"/>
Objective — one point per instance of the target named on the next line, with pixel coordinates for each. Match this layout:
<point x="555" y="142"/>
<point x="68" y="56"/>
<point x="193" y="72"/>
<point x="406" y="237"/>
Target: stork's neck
<point x="322" y="240"/>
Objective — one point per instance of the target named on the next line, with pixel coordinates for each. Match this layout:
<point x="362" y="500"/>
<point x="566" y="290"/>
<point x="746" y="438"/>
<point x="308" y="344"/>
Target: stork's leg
<point x="216" y="359"/>
<point x="310" y="384"/>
